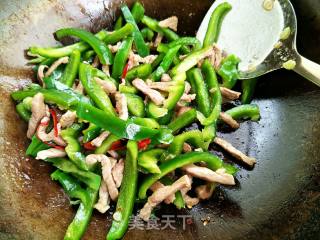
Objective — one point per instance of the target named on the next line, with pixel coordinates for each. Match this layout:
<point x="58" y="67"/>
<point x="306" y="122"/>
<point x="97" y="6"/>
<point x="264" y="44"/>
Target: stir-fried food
<point x="113" y="112"/>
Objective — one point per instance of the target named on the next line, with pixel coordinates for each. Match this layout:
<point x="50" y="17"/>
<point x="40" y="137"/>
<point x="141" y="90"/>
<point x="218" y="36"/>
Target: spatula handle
<point x="308" y="69"/>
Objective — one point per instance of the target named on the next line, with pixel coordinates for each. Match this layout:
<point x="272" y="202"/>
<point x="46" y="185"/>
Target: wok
<point x="278" y="199"/>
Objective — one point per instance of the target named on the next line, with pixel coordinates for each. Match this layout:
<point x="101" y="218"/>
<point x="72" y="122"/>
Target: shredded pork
<point x="162" y="193"/>
<point x="38" y="111"/>
<point x="99" y="140"/>
<point x="171" y="22"/>
<point x="154" y="95"/>
<point x="205" y="191"/>
<point x="229" y="94"/>
<point x="40" y="73"/>
<point x="107" y="86"/>
<point x="117" y="172"/>
<point x="209" y="175"/>
<point x="234" y="152"/>
<point x="229" y="120"/>
<point x="67" y="119"/>
<point x="104" y="200"/>
<point x="156" y="186"/>
<point x="122" y="105"/>
<point x="56" y="64"/>
<point x="50" y="153"/>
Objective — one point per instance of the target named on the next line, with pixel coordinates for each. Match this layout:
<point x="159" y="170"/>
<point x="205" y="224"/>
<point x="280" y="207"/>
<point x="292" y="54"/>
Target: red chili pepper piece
<point x="55" y="122"/>
<point x="117" y="145"/>
<point x="143" y="144"/>
<point x="54" y="146"/>
<point x="125" y="71"/>
<point x="89" y="146"/>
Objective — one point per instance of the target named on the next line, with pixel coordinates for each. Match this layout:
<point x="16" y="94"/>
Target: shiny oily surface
<point x="278" y="199"/>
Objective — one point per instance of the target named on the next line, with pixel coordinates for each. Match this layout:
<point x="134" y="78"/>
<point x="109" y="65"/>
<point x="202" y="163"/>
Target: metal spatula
<point x="262" y="33"/>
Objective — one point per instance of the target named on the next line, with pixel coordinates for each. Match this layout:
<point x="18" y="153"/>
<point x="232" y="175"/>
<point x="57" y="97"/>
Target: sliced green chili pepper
<point x="70" y="185"/>
<point x="91" y="132"/>
<point x="166" y="118"/>
<point x="150" y="122"/>
<point x="36" y="146"/>
<point x="215" y="22"/>
<point x="148" y="160"/>
<point x="137" y="11"/>
<point x="245" y="111"/>
<point x="168" y="33"/>
<point x="191" y="60"/>
<point x="96" y="93"/>
<point x="213" y="162"/>
<point x="147" y="34"/>
<point x="154" y="111"/>
<point x="127" y="89"/>
<point x="73" y="148"/>
<point x="118" y="35"/>
<point x="216" y="99"/>
<point x="106" y="144"/>
<point x="89" y="56"/>
<point x="119" y="23"/>
<point x="141" y="46"/>
<point x="142" y="71"/>
<point x="102" y="51"/>
<point x="183" y="120"/>
<point x="194" y="137"/>
<point x="23" y="112"/>
<point x="248" y="87"/>
<point x="61" y="98"/>
<point x="229" y="71"/>
<point x="157" y="61"/>
<point x="200" y="89"/>
<point x="135" y="105"/>
<point x="127" y="194"/>
<point x="91" y="179"/>
<point x="165" y="64"/>
<point x="123" y="129"/>
<point x="71" y="70"/>
<point x="121" y="58"/>
<point x="82" y="46"/>
<point x="181" y="41"/>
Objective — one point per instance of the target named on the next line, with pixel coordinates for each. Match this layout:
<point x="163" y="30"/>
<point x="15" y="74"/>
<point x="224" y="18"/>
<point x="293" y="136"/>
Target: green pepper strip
<point x="71" y="70"/>
<point x="91" y="132"/>
<point x="150" y="122"/>
<point x="123" y="129"/>
<point x="216" y="99"/>
<point x="245" y="111"/>
<point x="88" y="198"/>
<point x="73" y="148"/>
<point x="191" y="60"/>
<point x="88" y="56"/>
<point x="181" y="41"/>
<point x="141" y="46"/>
<point x="111" y="38"/>
<point x="147" y="160"/>
<point x="119" y="23"/>
<point x="135" y="105"/>
<point x="23" y="112"/>
<point x="183" y="120"/>
<point x="212" y="161"/>
<point x="147" y="34"/>
<point x="165" y="64"/>
<point x="200" y="89"/>
<point x="127" y="194"/>
<point x="70" y="185"/>
<point x="215" y="23"/>
<point x="194" y="137"/>
<point x="36" y="146"/>
<point x="142" y="71"/>
<point x="91" y="179"/>
<point x="248" y="88"/>
<point x="157" y="61"/>
<point x="168" y="33"/>
<point x="61" y="98"/>
<point x="127" y="89"/>
<point x="101" y="49"/>
<point x="95" y="91"/>
<point x="229" y="71"/>
<point x="137" y="11"/>
<point x="106" y="144"/>
<point x="121" y="58"/>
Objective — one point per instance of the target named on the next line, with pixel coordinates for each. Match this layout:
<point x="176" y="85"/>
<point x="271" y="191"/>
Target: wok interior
<point x="278" y="198"/>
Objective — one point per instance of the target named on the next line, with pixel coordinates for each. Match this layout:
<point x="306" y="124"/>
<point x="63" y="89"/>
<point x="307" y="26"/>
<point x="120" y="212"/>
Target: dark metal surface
<point x="278" y="199"/>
